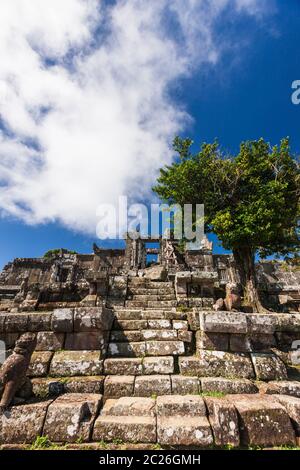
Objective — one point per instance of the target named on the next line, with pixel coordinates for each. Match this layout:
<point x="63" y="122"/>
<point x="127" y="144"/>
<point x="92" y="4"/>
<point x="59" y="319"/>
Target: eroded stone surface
<point x="184" y="385"/>
<point x="176" y="431"/>
<point x="263" y="421"/>
<point x="39" y="364"/>
<point x="268" y="366"/>
<point x="125" y="428"/>
<point x="227" y="386"/>
<point x="123" y="366"/>
<point x="149" y="385"/>
<point x="116" y="386"/>
<point x="224" y="421"/>
<point x="70" y="417"/>
<point x="164" y="348"/>
<point x="49" y="341"/>
<point x="62" y="320"/>
<point x="92" y="318"/>
<point x="177" y="405"/>
<point x="284" y="387"/>
<point x="23" y="423"/>
<point x="223" y="322"/>
<point x="158" y="365"/>
<point x="217" y="364"/>
<point x="72" y="363"/>
<point x="292" y="406"/>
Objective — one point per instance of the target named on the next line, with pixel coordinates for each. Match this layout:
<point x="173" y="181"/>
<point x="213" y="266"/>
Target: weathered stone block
<point x="146" y="386"/>
<point x="127" y="349"/>
<point x="288" y="322"/>
<point x="93" y="384"/>
<point x="223" y="322"/>
<point x="22" y="424"/>
<point x="130" y="406"/>
<point x="16" y="323"/>
<point x="72" y="363"/>
<point x="116" y="386"/>
<point x="125" y="428"/>
<point x="224" y="421"/>
<point x="2" y="322"/>
<point x="239" y="343"/>
<point x="185" y="336"/>
<point x="92" y="340"/>
<point x="70" y="417"/>
<point x="176" y="405"/>
<point x="92" y="318"/>
<point x="263" y="421"/>
<point x="130" y="336"/>
<point x="292" y="407"/>
<point x="39" y="364"/>
<point x="182" y="385"/>
<point x="50" y="341"/>
<point x="180" y="325"/>
<point x="212" y="341"/>
<point x="160" y="335"/>
<point x="158" y="365"/>
<point x="262" y="323"/>
<point x="262" y="342"/>
<point x="285" y="339"/>
<point x="164" y="348"/>
<point x="39" y="321"/>
<point x="123" y="366"/>
<point x="284" y="387"/>
<point x="127" y="314"/>
<point x="159" y="324"/>
<point x="268" y="366"/>
<point x="62" y="320"/>
<point x="227" y="386"/>
<point x="131" y="324"/>
<point x="217" y="364"/>
<point x="46" y="387"/>
<point x="193" y="319"/>
<point x="176" y="431"/>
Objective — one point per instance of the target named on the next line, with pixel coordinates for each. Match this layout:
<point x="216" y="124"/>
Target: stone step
<point x="48" y="386"/>
<point x="145" y="291"/>
<point x="151" y="297"/>
<point x="148" y="348"/>
<point x="147" y="283"/>
<point x="151" y="303"/>
<point x="139" y="366"/>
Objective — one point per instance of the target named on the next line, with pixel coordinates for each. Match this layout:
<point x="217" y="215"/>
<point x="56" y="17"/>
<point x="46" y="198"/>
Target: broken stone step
<point x="144" y="298"/>
<point x="263" y="421"/>
<point x="152" y="385"/>
<point x="127" y="349"/>
<point x="71" y="417"/>
<point x="176" y="431"/>
<point x="125" y="429"/>
<point x="164" y="348"/>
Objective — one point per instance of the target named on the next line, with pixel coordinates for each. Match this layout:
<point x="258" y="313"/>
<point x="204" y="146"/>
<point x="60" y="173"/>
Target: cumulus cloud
<point x="85" y="108"/>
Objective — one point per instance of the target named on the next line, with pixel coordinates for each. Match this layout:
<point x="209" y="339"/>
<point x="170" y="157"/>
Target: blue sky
<point x="244" y="94"/>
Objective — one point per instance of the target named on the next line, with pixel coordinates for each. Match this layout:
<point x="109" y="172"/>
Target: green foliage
<point x="250" y="200"/>
<point x="56" y="252"/>
<point x="41" y="442"/>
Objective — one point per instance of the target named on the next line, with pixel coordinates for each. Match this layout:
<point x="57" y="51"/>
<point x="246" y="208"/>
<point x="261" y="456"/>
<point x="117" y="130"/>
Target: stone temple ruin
<point x="124" y="350"/>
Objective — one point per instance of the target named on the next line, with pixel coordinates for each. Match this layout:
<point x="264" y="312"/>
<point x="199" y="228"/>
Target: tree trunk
<point x="245" y="262"/>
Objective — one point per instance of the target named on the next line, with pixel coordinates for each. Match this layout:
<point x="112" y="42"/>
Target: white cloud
<point x="89" y="115"/>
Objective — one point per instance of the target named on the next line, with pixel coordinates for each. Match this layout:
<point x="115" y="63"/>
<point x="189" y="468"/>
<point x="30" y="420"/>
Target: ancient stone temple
<point x="129" y="341"/>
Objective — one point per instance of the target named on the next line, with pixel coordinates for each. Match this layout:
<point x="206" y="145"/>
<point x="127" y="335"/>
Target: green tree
<point x="251" y="200"/>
